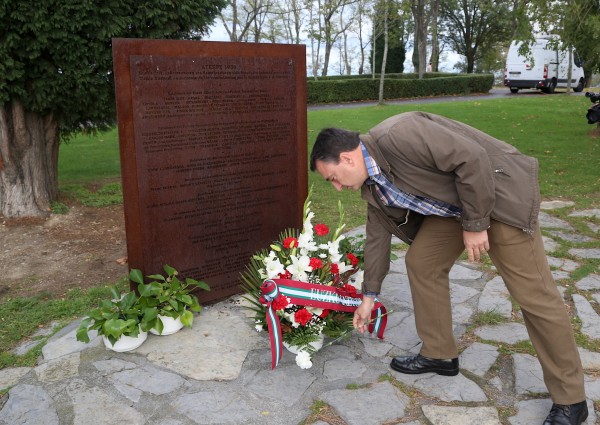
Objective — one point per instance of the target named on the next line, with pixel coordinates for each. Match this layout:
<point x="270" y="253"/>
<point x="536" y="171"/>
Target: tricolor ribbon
<point x="317" y="296"/>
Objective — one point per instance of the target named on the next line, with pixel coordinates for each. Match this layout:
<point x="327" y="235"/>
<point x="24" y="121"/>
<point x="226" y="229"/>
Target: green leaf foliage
<point x="117" y="316"/>
<point x="57" y="56"/>
<point x="168" y="296"/>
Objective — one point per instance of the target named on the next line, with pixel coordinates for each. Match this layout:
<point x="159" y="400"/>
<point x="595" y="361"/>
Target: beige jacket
<point x="433" y="156"/>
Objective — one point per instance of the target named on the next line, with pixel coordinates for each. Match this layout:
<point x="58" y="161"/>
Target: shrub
<point x="357" y="88"/>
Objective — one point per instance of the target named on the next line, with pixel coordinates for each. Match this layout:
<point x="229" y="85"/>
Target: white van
<point x="545" y="67"/>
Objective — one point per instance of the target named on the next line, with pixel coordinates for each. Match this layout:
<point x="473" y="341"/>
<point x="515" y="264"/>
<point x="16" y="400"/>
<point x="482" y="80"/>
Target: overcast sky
<point x="447" y="60"/>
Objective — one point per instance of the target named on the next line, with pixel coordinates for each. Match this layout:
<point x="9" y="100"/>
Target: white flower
<point x="357" y="279"/>
<point x="315" y="310"/>
<point x="299" y="268"/>
<point x="306" y="243"/>
<point x="334" y="249"/>
<point x="258" y="328"/>
<point x="307" y="227"/>
<point x="273" y="266"/>
<point x="303" y="360"/>
<point x="290" y="317"/>
<point x="343" y="267"/>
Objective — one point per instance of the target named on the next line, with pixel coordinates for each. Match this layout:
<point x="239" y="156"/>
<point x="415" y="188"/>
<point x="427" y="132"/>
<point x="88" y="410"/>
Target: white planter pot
<point x="170" y="325"/>
<point x="316" y="345"/>
<point x="126" y="343"/>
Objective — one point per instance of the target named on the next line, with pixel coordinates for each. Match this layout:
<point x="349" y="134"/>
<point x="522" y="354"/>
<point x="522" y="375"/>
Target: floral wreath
<point x="279" y="282"/>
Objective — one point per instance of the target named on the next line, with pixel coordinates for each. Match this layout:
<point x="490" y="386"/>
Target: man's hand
<point x="362" y="314"/>
<point x="476" y="244"/>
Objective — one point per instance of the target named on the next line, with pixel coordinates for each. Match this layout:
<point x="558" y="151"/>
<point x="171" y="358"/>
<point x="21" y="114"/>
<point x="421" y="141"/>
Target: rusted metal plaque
<point x="213" y="153"/>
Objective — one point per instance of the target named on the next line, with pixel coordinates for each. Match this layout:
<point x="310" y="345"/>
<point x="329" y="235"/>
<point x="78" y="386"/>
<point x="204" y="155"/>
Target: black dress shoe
<point x="421" y="364"/>
<point x="567" y="414"/>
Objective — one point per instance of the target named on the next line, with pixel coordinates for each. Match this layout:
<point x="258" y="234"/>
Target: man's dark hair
<point x="330" y="143"/>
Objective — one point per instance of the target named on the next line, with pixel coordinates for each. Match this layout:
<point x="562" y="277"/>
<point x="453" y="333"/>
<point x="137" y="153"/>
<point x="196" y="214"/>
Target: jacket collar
<point x="376" y="154"/>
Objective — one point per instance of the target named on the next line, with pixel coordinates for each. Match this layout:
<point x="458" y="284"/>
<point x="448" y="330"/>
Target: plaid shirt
<point x="391" y="196"/>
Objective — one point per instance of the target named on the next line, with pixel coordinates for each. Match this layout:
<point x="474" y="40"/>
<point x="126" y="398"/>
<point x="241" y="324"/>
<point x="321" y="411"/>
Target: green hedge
<point x="349" y="88"/>
<point x="404" y="76"/>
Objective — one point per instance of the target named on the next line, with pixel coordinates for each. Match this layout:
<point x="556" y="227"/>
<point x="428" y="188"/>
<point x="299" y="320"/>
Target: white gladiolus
<point x="306" y="243"/>
<point x="307" y="227"/>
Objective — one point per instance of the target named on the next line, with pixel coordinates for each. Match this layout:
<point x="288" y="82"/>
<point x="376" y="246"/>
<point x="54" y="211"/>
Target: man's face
<point x="347" y="174"/>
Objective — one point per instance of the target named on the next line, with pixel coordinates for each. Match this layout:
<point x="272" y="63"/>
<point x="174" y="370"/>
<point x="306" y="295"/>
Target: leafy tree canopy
<point x="56" y="57"/>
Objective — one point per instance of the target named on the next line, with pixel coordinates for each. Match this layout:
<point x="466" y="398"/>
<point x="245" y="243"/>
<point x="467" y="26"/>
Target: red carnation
<point x="335" y="269"/>
<point x="353" y="259"/>
<point x="349" y="288"/>
<point x="285" y="275"/>
<point x="324" y="314"/>
<point x="315" y="263"/>
<point x="302" y="316"/>
<point x="290" y="242"/>
<point x="321" y="229"/>
<point x="280" y="303"/>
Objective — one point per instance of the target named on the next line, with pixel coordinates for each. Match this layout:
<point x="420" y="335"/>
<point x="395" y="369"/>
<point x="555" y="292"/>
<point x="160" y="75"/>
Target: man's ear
<point x="346" y="158"/>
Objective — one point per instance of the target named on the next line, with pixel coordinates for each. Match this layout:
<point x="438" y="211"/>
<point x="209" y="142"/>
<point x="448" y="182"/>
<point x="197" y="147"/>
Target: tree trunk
<point x="28" y="161"/>
<point x="384" y="58"/>
<point x="435" y="47"/>
<point x="328" y="46"/>
<point x="373" y="56"/>
<point x="420" y="46"/>
<point x="570" y="70"/>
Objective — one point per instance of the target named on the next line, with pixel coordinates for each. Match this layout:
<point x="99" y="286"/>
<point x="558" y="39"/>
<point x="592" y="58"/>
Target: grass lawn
<point x="552" y="129"/>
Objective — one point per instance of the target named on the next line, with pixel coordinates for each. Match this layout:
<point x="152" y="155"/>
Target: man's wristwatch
<point x="370" y="294"/>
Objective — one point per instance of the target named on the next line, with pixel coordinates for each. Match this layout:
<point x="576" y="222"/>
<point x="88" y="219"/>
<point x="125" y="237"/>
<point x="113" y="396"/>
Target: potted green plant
<point x="122" y="321"/>
<point x="172" y="298"/>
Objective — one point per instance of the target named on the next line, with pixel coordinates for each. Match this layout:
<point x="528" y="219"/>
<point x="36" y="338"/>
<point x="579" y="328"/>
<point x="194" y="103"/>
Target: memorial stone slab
<point x="213" y="153"/>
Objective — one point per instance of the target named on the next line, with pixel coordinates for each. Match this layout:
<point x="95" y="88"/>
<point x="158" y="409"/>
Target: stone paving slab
<point x="535" y="411"/>
<point x="589" y="283"/>
<point x="495" y="298"/>
<point x="454" y="388"/>
<point x="510" y="333"/>
<point x="590" y="320"/>
<point x="27" y="404"/>
<point x="548" y="221"/>
<point x="452" y="415"/>
<point x="219" y="372"/>
<point x="595" y="212"/>
<point x="585" y="252"/>
<point x="478" y="358"/>
<point x="528" y="375"/>
<point x="375" y="405"/>
<point x="556" y="204"/>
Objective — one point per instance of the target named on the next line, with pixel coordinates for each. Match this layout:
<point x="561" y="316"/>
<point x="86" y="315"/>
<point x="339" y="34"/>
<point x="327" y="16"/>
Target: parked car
<point x="545" y="67"/>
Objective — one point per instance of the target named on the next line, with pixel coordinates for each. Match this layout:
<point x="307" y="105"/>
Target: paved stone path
<point x="219" y="371"/>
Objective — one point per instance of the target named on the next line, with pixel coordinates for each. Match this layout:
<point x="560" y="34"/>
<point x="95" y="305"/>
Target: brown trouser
<point x="521" y="261"/>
